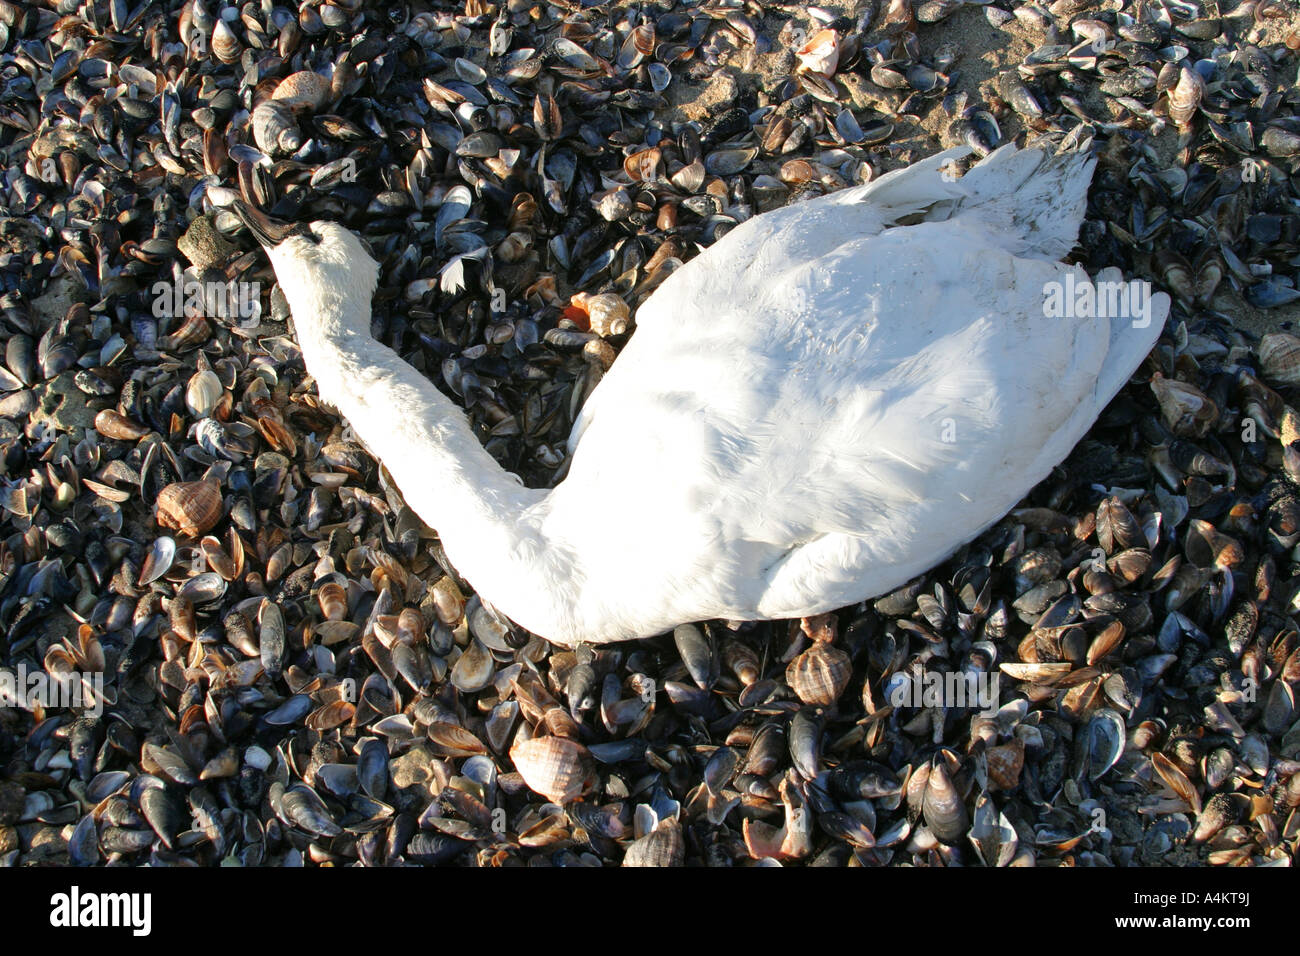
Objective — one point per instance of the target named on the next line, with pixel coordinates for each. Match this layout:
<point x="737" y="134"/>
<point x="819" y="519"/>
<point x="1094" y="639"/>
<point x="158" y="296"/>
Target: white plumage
<point x="823" y="405"/>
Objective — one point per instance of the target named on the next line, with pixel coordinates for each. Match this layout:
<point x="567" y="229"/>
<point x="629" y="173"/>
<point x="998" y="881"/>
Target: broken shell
<point x="606" y="313"/>
<point x="821" y="54"/>
<point x="1186" y="409"/>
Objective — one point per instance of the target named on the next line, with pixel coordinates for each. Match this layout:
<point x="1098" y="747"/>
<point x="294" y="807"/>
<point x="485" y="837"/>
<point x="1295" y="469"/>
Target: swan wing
<point x="837" y="410"/>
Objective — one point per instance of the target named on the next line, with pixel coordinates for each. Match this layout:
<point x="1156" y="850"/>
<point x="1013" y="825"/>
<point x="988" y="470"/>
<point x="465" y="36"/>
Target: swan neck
<point x="489" y="524"/>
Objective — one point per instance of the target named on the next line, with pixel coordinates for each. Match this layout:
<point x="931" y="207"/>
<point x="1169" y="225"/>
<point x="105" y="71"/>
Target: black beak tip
<point x="268" y="230"/>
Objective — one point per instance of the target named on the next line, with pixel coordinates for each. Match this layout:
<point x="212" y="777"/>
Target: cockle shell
<point x="190" y="507"/>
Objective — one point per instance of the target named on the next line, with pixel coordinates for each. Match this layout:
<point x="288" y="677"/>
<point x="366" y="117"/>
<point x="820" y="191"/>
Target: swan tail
<point x="1030" y="201"/>
<point x="917" y="188"/>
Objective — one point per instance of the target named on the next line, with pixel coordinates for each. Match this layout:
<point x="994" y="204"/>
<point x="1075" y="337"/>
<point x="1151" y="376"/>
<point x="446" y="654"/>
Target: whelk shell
<point x="559" y="769"/>
<point x="820" y="674"/>
<point x="190" y="507"/>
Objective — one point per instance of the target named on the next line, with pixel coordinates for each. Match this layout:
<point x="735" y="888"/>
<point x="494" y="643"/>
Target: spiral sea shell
<point x="662" y="846"/>
<point x="607" y="313"/>
<point x="820" y="674"/>
<point x="821" y="54"/>
<point x="274" y="128"/>
<point x="190" y="507"/>
<point x="559" y="769"/>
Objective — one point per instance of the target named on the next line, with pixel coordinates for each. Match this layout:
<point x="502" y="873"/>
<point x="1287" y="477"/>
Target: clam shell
<point x="202" y="393"/>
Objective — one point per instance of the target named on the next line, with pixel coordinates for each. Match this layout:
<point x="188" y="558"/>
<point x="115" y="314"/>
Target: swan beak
<point x="268" y="230"/>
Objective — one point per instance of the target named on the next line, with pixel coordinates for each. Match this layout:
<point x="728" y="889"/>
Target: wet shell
<point x="559" y="769"/>
<point x="190" y="507"/>
<point x="820" y="674"/>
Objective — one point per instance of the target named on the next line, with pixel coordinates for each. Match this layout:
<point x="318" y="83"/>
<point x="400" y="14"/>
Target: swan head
<point x="313" y="260"/>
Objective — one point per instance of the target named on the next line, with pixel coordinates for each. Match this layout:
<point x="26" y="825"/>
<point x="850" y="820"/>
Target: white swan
<point x="821" y="406"/>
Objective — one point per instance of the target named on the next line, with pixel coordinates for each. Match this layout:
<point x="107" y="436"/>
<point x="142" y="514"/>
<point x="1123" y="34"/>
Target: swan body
<point x="824" y="404"/>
